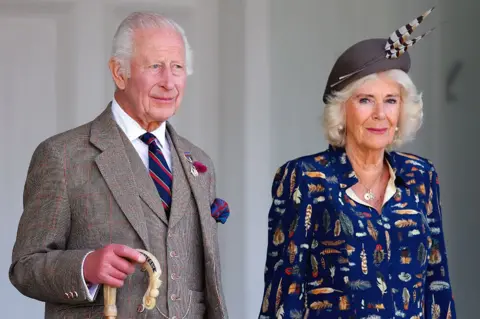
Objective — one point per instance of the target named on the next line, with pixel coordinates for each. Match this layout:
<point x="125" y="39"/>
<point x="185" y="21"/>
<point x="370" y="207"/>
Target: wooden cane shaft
<point x="110" y="302"/>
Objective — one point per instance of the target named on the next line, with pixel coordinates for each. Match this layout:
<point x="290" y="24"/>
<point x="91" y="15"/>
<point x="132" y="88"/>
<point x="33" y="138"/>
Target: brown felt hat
<point x="373" y="56"/>
<point x="367" y="56"/>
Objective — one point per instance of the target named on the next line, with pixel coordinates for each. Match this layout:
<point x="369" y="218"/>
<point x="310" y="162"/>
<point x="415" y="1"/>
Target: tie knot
<point x="148" y="138"/>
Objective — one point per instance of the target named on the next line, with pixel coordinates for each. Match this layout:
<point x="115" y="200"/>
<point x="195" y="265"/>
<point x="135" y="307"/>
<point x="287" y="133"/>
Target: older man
<point x="126" y="180"/>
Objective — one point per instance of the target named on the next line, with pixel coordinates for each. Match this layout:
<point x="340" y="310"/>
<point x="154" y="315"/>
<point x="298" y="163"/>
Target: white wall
<point x="460" y="134"/>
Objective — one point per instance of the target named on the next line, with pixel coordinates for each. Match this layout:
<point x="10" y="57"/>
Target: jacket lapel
<point x="198" y="184"/>
<point x="180" y="187"/>
<point x="200" y="189"/>
<point x="114" y="166"/>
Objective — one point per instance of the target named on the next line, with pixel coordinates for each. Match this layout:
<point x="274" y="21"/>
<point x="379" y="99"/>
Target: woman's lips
<point x="377" y="130"/>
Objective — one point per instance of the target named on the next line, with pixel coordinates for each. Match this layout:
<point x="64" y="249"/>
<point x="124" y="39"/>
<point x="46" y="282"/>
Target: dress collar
<point x="346" y="175"/>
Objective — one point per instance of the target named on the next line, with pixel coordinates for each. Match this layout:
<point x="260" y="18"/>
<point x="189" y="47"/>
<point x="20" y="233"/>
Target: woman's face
<point x="372" y="114"/>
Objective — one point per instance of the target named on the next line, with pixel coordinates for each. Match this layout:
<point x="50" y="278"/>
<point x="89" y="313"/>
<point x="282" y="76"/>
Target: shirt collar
<point x="131" y="128"/>
<point x="346" y="175"/>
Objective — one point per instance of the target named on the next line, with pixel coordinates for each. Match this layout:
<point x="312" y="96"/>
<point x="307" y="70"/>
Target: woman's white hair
<point x="122" y="48"/>
<point x="411" y="113"/>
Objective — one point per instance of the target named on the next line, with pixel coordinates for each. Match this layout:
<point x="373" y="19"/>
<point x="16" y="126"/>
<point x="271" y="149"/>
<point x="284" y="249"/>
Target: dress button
<point x="174" y="297"/>
<point x="173" y="254"/>
<point x="174" y="317"/>
<point x="174" y="276"/>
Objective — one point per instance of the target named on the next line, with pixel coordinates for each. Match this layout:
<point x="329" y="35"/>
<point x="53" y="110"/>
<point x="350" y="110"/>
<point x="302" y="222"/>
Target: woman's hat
<point x="374" y="55"/>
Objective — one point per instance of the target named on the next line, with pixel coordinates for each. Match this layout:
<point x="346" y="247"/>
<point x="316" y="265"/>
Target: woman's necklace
<point x="369" y="195"/>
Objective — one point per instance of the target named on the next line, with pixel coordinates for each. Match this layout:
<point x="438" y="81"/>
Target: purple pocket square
<point x="220" y="210"/>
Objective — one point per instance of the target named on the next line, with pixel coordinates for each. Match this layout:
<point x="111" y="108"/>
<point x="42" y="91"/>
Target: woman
<point x="356" y="231"/>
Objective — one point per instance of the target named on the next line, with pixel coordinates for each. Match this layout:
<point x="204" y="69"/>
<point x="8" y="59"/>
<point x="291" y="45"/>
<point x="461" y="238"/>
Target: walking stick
<point x="152" y="266"/>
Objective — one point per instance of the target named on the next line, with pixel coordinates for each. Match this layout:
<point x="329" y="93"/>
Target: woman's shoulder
<point x="410" y="161"/>
<point x="297" y="171"/>
<point x="414" y="169"/>
<point x="312" y="162"/>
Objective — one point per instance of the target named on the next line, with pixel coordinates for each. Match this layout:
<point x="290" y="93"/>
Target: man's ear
<point x="119" y="77"/>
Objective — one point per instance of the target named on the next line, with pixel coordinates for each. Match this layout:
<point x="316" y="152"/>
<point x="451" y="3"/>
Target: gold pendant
<point x="369" y="195"/>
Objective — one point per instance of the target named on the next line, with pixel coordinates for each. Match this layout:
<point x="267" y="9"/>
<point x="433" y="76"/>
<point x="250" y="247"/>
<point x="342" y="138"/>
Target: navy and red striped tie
<point x="159" y="170"/>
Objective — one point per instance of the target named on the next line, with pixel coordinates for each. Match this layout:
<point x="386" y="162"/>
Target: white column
<point x="257" y="130"/>
<point x="89" y="62"/>
<point x="231" y="166"/>
<point x="202" y="116"/>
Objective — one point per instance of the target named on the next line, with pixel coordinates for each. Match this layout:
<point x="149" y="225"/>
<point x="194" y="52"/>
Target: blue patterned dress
<point x="332" y="256"/>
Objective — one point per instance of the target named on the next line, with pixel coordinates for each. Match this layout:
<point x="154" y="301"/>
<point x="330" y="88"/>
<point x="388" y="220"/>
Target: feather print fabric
<point x="331" y="257"/>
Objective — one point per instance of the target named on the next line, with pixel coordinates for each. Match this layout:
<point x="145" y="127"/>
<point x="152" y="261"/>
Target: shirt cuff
<point x="90" y="288"/>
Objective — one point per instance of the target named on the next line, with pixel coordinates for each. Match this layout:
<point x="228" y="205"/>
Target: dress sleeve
<point x="288" y="247"/>
<point x="439" y="298"/>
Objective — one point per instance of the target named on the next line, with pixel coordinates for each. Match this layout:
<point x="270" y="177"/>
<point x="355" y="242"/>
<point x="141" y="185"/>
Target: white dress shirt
<point x="133" y="131"/>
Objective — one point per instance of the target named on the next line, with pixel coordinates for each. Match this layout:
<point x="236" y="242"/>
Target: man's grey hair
<point x="122" y="48"/>
<point x="411" y="113"/>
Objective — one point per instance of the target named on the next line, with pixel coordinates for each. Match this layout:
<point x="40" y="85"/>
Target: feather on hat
<point x="374" y="55"/>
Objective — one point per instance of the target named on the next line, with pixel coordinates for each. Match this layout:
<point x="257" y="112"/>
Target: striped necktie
<point x="159" y="171"/>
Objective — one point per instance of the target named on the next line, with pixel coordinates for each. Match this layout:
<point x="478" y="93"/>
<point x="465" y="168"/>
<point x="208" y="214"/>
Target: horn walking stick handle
<point x="152" y="267"/>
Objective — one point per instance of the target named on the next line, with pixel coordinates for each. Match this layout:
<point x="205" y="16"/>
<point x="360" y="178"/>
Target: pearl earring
<point x="340" y="127"/>
<point x="396" y="129"/>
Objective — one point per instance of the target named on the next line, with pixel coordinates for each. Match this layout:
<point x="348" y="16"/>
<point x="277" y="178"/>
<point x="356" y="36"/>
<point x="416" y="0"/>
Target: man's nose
<point x="166" y="79"/>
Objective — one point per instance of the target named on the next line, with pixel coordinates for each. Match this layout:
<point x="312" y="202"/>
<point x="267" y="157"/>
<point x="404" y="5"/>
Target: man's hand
<point x="111" y="264"/>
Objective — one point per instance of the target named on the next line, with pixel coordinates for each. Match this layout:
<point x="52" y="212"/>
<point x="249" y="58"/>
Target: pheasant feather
<point x="399" y="41"/>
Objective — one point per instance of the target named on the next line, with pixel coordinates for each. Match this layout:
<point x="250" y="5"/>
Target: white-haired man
<point x="126" y="180"/>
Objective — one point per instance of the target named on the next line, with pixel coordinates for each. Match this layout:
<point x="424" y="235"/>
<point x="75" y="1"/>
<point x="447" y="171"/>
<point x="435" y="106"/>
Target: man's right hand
<point x="111" y="264"/>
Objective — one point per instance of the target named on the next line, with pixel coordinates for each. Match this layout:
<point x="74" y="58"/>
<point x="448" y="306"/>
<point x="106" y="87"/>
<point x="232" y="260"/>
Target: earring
<point x="340" y="128"/>
<point x="396" y="129"/>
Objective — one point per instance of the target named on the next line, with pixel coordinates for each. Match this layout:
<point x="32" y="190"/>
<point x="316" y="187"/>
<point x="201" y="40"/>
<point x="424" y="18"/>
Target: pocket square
<point x="220" y="210"/>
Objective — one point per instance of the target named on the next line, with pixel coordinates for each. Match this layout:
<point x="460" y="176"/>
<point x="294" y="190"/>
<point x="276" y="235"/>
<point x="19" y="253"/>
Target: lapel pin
<point x="193" y="169"/>
<point x="188" y="156"/>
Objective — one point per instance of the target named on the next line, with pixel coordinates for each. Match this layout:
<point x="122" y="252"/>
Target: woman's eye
<point x="392" y="101"/>
<point x="364" y="100"/>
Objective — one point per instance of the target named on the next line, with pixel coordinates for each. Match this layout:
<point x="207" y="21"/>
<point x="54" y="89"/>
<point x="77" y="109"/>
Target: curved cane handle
<point x="152" y="266"/>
